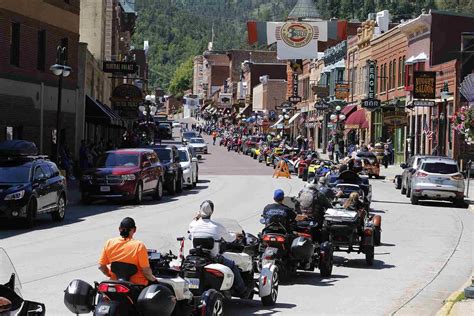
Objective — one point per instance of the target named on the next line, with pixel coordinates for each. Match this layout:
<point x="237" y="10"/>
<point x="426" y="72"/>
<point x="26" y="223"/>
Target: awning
<point x="277" y="123"/>
<point x="99" y="114"/>
<point x="416" y="59"/>
<point x="117" y="120"/>
<point x="357" y="120"/>
<point x="293" y="118"/>
<point x="348" y="109"/>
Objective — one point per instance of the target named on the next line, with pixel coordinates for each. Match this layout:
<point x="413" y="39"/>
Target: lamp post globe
<point x="342" y="117"/>
<point x="338" y="108"/>
<point x="333" y="117"/>
<point x="57" y="69"/>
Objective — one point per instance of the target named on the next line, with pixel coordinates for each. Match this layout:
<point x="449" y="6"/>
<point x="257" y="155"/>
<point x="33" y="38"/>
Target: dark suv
<point x="126" y="174"/>
<point x="169" y="157"/>
<point x="31" y="185"/>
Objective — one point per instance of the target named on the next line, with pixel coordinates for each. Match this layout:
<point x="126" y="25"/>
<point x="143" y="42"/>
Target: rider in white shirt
<point x="202" y="227"/>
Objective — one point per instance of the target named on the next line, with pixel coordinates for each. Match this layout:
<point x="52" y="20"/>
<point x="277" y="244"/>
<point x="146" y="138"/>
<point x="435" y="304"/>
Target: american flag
<point x="427" y="131"/>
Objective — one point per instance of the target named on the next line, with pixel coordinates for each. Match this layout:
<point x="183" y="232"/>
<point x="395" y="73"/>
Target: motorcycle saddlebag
<point x="302" y="248"/>
<point x="156" y="300"/>
<point x="18" y="148"/>
<point x="79" y="297"/>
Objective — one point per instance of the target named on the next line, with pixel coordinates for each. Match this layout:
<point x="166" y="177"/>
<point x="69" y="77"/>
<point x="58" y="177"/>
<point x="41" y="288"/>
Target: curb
<point x="451" y="300"/>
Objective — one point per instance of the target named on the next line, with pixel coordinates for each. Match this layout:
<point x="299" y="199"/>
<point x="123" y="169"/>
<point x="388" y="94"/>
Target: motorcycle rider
<point x="127" y="250"/>
<point x="203" y="226"/>
<point x="279" y="209"/>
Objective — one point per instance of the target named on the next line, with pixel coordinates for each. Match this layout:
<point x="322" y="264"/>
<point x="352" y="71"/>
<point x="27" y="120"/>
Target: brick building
<point x="28" y="89"/>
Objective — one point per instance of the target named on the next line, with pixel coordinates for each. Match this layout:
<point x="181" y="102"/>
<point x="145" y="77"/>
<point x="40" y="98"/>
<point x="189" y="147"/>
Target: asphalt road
<point x="426" y="252"/>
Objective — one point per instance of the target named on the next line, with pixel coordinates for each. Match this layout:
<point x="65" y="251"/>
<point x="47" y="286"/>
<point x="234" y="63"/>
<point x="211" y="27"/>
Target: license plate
<point x="104" y="189"/>
<point x="439" y="181"/>
<point x="104" y="309"/>
<point x="192" y="283"/>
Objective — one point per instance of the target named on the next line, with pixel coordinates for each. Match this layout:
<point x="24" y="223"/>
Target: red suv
<point x="126" y="174"/>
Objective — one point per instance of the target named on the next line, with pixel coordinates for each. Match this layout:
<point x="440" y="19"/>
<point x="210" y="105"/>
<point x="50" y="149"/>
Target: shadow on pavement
<point x="361" y="264"/>
<point x="254" y="307"/>
<point x="441" y="204"/>
<point x="314" y="278"/>
<point x="390" y="202"/>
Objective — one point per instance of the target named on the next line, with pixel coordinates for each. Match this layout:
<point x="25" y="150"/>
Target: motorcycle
<point x="291" y="247"/>
<point x="212" y="281"/>
<point x="121" y="297"/>
<point x="11" y="302"/>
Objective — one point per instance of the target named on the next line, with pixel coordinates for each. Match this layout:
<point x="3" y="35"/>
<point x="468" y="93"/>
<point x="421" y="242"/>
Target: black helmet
<point x="156" y="299"/>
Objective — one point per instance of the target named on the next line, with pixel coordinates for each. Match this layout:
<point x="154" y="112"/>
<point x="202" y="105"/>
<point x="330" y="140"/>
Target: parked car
<point x="188" y="135"/>
<point x="126" y="174"/>
<point x="409" y="168"/>
<point x="165" y="130"/>
<point x="173" y="172"/>
<point x="199" y="144"/>
<point x="437" y="179"/>
<point x="190" y="167"/>
<point x="29" y="186"/>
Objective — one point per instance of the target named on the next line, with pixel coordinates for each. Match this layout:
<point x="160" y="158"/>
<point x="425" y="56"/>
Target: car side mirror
<point x="146" y="164"/>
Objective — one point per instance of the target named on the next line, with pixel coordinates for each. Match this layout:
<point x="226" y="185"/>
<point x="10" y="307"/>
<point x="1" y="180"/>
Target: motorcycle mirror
<point x="262" y="220"/>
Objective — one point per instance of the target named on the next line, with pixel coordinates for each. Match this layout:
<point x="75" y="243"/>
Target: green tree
<point x="369" y="7"/>
<point x="182" y="79"/>
<point x="347" y="10"/>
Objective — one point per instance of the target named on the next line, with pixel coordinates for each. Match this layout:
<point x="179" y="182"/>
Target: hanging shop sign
<point x="424" y="85"/>
<point x="120" y="67"/>
<point x="321" y="105"/>
<point x="335" y="53"/>
<point x="294" y="97"/>
<point x="395" y="119"/>
<point x="423" y="103"/>
<point x="321" y="91"/>
<point x="372" y="79"/>
<point x="371" y="104"/>
<point x="341" y="91"/>
<point x="126" y="98"/>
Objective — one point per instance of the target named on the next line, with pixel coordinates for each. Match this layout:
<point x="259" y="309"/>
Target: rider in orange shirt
<point x="127" y="250"/>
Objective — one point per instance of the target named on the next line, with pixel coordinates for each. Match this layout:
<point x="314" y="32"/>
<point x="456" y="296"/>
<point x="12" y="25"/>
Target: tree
<point x="182" y="79"/>
<point x="347" y="10"/>
<point x="369" y="7"/>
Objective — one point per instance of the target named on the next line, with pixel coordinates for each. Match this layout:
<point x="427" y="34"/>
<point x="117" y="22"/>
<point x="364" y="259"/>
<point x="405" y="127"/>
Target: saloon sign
<point x="120" y="67"/>
<point x="424" y="86"/>
<point x="125" y="100"/>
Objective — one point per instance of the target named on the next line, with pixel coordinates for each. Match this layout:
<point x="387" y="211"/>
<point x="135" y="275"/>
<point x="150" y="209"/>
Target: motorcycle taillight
<point x="112" y="288"/>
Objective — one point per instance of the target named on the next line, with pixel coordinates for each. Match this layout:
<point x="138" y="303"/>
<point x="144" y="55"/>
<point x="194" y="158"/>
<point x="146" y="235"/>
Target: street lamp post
<point x="61" y="70"/>
<point x="337" y="117"/>
<point x="442" y="120"/>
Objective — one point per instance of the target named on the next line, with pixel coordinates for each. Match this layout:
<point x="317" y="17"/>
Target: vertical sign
<point x="294" y="98"/>
<point x="372" y="79"/>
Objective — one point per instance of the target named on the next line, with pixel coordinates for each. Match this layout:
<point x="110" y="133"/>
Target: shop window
<point x="15" y="44"/>
<point x="402" y="66"/>
<point x="409" y="77"/>
<point x="399" y="72"/>
<point x="390" y="71"/>
<point x="384" y="77"/>
<point x="394" y="71"/>
<point x="340" y="75"/>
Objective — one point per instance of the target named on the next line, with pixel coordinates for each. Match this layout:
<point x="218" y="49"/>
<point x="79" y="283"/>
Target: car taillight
<point x="274" y="238"/>
<point x="457" y="177"/>
<point x="421" y="174"/>
<point x="112" y="288"/>
<point x="215" y="272"/>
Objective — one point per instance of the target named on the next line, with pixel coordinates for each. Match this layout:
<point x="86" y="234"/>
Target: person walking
<point x="330" y="149"/>
<point x="214" y="137"/>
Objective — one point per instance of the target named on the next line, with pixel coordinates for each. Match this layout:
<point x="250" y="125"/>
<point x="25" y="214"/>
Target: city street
<point x="426" y="250"/>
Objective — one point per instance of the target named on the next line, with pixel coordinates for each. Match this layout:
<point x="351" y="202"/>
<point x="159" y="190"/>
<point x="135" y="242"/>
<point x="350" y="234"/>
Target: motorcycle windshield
<point x="7" y="270"/>
<point x="231" y="225"/>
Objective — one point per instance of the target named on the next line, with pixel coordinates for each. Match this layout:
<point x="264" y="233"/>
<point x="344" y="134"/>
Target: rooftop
<point x="304" y="10"/>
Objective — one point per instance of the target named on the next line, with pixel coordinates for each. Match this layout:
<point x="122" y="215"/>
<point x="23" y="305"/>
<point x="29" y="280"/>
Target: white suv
<point x="438" y="179"/>
<point x="190" y="167"/>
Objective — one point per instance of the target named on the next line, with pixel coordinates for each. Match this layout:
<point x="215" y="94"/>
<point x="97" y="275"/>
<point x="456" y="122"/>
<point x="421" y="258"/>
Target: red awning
<point x="348" y="109"/>
<point x="357" y="120"/>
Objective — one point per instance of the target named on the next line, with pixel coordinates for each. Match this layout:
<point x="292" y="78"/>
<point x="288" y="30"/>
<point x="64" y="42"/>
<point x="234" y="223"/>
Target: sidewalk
<point x="73" y="192"/>
<point x="457" y="305"/>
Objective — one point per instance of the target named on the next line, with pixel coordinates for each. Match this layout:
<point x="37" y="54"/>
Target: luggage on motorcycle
<point x="79" y="297"/>
<point x="13" y="148"/>
<point x="302" y="248"/>
<point x="156" y="299"/>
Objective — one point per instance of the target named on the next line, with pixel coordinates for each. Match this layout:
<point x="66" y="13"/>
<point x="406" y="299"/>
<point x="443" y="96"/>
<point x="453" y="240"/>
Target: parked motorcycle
<point x="10" y="293"/>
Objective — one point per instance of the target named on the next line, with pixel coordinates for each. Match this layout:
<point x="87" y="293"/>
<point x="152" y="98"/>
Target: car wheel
<point x="325" y="266"/>
<point x="194" y="181"/>
<point x="159" y="190"/>
<point x="172" y="187"/>
<point x="138" y="194"/>
<point x="60" y="212"/>
<point x="31" y="213"/>
<point x="459" y="203"/>
<point x="414" y="199"/>
<point x="179" y="185"/>
<point x="213" y="303"/>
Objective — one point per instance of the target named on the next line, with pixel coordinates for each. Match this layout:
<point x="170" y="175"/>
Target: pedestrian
<point x="310" y="143"/>
<point x="239" y="145"/>
<point x="330" y="149"/>
<point x="214" y="137"/>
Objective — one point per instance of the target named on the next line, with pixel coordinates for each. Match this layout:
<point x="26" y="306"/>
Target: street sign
<point x="424" y="85"/>
<point x="341" y="91"/>
<point x="120" y="67"/>
<point x="294" y="98"/>
<point x="371" y="104"/>
<point x="423" y="103"/>
<point x="321" y="106"/>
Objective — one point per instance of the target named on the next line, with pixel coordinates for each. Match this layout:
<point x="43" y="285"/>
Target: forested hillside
<point x="179" y="29"/>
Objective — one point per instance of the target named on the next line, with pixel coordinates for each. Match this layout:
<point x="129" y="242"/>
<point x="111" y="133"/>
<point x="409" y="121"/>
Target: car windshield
<point x="439" y="167"/>
<point x="163" y="125"/>
<point x="164" y="154"/>
<point x="14" y="174"/>
<point x="117" y="160"/>
<point x="189" y="134"/>
<point x="197" y="141"/>
<point x="183" y="156"/>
